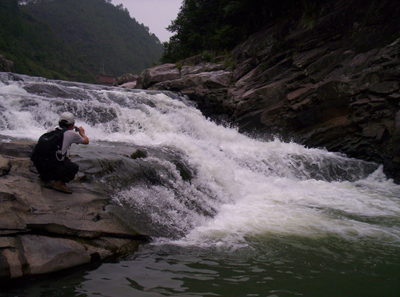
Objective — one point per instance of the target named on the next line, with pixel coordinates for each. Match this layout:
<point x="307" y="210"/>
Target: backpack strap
<point x="59" y="155"/>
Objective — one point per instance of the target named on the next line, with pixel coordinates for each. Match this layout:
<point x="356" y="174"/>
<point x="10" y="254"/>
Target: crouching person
<point x="50" y="153"/>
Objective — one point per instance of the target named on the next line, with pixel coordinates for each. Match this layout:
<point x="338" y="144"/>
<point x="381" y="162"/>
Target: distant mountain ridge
<point x="72" y="39"/>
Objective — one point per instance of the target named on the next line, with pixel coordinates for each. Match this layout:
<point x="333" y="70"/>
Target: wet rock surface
<point x="43" y="231"/>
<point x="331" y="83"/>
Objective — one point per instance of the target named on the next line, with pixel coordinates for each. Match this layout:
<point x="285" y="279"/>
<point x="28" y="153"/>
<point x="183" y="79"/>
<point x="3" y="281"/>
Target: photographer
<point x="50" y="154"/>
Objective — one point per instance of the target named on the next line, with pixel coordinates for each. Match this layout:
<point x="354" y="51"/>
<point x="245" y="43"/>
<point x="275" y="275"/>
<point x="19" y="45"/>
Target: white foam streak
<point x="301" y="208"/>
<point x="263" y="188"/>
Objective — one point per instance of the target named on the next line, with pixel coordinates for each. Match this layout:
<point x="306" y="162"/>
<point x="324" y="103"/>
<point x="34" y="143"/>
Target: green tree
<point x="219" y="25"/>
<point x="34" y="48"/>
<point x="73" y="39"/>
<point x="104" y="33"/>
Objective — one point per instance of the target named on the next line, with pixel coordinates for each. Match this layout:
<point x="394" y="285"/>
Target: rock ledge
<point x="43" y="231"/>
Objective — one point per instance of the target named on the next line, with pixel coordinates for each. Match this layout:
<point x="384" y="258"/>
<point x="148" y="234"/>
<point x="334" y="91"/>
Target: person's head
<point x="66" y="120"/>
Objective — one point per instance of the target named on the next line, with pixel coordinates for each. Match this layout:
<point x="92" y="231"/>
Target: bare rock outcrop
<point x="43" y="231"/>
<point x="127" y="80"/>
<point x="333" y="82"/>
<point x="6" y="65"/>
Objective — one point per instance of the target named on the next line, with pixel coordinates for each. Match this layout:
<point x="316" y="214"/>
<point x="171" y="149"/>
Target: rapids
<point x="206" y="186"/>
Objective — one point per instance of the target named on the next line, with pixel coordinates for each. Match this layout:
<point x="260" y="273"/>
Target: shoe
<point x="61" y="187"/>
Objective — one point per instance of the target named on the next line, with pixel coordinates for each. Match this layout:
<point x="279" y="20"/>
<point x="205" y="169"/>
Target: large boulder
<point x="43" y="231"/>
<point x="125" y="79"/>
<point x="6" y="65"/>
<point x="157" y="74"/>
<point x="199" y="81"/>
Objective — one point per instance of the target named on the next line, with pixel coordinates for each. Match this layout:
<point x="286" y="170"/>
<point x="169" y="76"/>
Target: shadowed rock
<point x="334" y="84"/>
<point x="43" y="231"/>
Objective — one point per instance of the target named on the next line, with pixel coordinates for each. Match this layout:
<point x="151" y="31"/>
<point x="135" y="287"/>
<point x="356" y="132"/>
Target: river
<point x="246" y="216"/>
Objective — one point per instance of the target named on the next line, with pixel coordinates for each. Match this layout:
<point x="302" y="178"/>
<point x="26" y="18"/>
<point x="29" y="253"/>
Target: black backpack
<point x="48" y="147"/>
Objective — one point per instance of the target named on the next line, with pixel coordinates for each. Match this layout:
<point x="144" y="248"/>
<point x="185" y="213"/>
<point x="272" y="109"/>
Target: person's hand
<point x="81" y="131"/>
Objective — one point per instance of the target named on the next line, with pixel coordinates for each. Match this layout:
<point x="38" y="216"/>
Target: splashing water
<point x="204" y="186"/>
<point x="241" y="186"/>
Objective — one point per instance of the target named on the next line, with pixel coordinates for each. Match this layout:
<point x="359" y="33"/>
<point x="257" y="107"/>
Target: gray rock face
<point x="157" y="74"/>
<point x="43" y="231"/>
<point x="6" y="65"/>
<point x="323" y="86"/>
<point x="124" y="79"/>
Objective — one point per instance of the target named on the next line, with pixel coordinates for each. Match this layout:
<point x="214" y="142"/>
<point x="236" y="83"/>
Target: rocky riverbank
<point x="44" y="231"/>
<point x="332" y="81"/>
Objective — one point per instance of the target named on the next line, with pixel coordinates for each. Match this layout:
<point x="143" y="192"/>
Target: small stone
<point x="139" y="154"/>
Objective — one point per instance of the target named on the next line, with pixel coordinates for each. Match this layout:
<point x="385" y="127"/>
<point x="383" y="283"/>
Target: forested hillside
<point x="36" y="50"/>
<point x="219" y="26"/>
<point x="104" y="33"/>
<point x="209" y="25"/>
<point x="74" y="39"/>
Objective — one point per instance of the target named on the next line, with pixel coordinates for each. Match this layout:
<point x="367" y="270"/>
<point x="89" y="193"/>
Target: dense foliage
<point x="105" y="33"/>
<point x="74" y="39"/>
<point x="218" y="25"/>
<point x="35" y="49"/>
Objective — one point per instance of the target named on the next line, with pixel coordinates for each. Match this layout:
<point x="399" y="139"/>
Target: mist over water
<point x="240" y="195"/>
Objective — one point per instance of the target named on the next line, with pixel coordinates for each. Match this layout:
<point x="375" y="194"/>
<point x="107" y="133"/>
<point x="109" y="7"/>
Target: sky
<point x="155" y="14"/>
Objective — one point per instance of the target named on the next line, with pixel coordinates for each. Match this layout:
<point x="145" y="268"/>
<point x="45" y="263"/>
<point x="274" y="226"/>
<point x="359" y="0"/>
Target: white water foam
<point x="259" y="188"/>
<point x="305" y="208"/>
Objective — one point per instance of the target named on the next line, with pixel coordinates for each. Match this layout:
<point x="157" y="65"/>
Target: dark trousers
<point x="64" y="171"/>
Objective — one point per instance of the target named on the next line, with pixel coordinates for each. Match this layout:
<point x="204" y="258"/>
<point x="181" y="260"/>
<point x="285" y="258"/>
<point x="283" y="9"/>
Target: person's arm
<point x="82" y="133"/>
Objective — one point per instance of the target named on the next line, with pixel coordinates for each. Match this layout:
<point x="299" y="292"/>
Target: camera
<point x="76" y="129"/>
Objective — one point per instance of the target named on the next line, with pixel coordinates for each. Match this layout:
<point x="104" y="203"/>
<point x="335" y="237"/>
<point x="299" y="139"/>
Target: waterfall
<point x="200" y="182"/>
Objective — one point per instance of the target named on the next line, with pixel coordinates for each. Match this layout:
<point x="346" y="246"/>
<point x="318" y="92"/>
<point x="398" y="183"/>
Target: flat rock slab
<point x="43" y="231"/>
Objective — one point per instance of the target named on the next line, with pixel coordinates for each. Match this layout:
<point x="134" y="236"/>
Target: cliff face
<point x="329" y="79"/>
